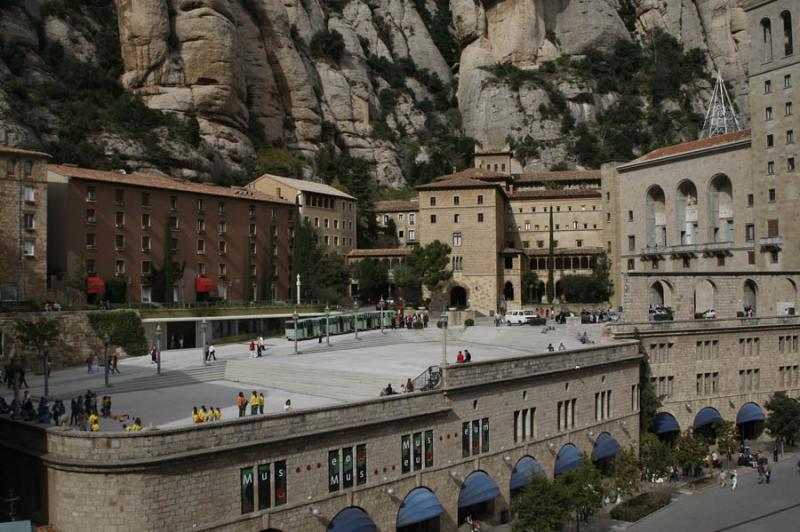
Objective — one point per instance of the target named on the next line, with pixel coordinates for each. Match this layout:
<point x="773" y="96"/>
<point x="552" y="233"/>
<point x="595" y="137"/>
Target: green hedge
<point x="469" y="322"/>
<point x="124" y="327"/>
<point x="640" y="506"/>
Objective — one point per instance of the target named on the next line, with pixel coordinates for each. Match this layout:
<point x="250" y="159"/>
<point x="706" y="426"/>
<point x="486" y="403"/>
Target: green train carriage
<point x="309" y="328"/>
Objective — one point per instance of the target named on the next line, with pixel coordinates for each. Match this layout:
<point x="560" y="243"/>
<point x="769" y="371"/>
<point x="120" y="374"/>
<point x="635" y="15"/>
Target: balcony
<point x="771" y="243"/>
<point x="692" y="250"/>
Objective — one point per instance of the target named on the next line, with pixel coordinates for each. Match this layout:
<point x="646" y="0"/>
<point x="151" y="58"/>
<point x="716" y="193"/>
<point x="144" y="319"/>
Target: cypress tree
<point x="248" y="272"/>
<point x="169" y="269"/>
<point x="551" y="263"/>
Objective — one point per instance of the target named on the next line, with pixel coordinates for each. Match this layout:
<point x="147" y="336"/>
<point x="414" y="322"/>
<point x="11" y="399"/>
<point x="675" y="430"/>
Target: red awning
<point x="204" y="285"/>
<point x="95" y="285"/>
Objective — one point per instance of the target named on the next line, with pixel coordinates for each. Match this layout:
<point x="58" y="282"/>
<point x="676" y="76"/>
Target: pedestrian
<point x="90" y="362"/>
<point x="180" y="342"/>
<point x="562" y="347"/>
<point x="106" y="406"/>
<point x="115" y="364"/>
<point x="153" y="355"/>
<point x="775" y="454"/>
<point x="409" y="385"/>
<point x="252" y="349"/>
<point x="550" y="348"/>
<point x="722" y="480"/>
<point x="195" y="415"/>
<point x="467" y="356"/>
<point x="460" y="358"/>
<point x="768" y="473"/>
<point x="74" y="410"/>
<point x="734" y="480"/>
<point x="261" y="402"/>
<point x="241" y="402"/>
<point x="287" y="406"/>
<point x="760" y="473"/>
<point x="203" y="414"/>
<point x="260" y="345"/>
<point x="212" y="352"/>
<point x="254" y="403"/>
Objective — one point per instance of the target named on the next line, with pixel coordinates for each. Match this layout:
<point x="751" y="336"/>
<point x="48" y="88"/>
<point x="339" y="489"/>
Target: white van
<point x="519" y="317"/>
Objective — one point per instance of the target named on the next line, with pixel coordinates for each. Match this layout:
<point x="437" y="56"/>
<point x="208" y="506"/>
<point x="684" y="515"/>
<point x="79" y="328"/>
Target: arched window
<point x="721" y="209"/>
<point x="655" y="217"/>
<point x="749" y="298"/>
<point x="686" y="210"/>
<point x="788" y="46"/>
<point x="766" y="37"/>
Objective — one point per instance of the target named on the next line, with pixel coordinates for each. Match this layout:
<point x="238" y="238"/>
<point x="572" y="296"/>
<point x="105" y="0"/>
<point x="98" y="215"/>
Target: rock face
<point x="247" y="69"/>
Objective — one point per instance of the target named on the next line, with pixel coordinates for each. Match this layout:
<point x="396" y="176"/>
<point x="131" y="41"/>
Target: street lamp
<point x="106" y="341"/>
<point x="294" y="319"/>
<point x="355" y="316"/>
<point x="382" y="303"/>
<point x="158" y="348"/>
<point x="203" y="328"/>
<point x="46" y="362"/>
<point x="327" y="325"/>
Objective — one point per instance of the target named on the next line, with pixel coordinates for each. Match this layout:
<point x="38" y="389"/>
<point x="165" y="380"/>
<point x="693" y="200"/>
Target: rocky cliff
<point x="231" y="85"/>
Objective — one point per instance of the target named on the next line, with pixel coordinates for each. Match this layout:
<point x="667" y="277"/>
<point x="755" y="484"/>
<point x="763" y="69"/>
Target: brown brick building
<point x="23" y="225"/>
<point x="113" y="226"/>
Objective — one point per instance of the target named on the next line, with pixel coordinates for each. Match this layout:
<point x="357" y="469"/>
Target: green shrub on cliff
<point x="124" y="327"/>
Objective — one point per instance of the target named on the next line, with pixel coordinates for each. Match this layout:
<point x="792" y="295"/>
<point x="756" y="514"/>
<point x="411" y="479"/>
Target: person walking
<point x="768" y="473"/>
<point x="460" y="358"/>
<point x="734" y="480"/>
<point x="153" y="355"/>
<point x="89" y="362"/>
<point x="241" y="402"/>
<point x="252" y="349"/>
<point x="261" y="402"/>
<point x="775" y="454"/>
<point x="760" y="473"/>
<point x="287" y="406"/>
<point x="212" y="353"/>
<point x="74" y="410"/>
<point x="115" y="364"/>
<point x="254" y="403"/>
<point x="195" y="415"/>
<point x="722" y="480"/>
<point x="467" y="356"/>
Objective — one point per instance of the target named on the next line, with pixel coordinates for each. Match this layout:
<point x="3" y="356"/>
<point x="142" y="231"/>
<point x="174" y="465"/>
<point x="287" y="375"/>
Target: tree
<point x="372" y="278"/>
<point x="429" y="265"/>
<point x="690" y="450"/>
<point x="305" y="255"/>
<point x="324" y="276"/>
<point x="162" y="280"/>
<point x="33" y="334"/>
<point x="649" y="401"/>
<point x="77" y="277"/>
<point x="331" y="279"/>
<point x="540" y="506"/>
<point x="783" y="421"/>
<point x="625" y="475"/>
<point x="727" y="438"/>
<point x="530" y="282"/>
<point x="551" y="264"/>
<point x="601" y="279"/>
<point x="247" y="287"/>
<point x="655" y="455"/>
<point x="585" y="487"/>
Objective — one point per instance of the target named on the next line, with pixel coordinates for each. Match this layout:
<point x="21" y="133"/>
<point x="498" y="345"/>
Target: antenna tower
<point x="720" y="117"/>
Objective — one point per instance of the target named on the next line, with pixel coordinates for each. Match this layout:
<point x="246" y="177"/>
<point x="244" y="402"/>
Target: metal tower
<point x="720" y="117"/>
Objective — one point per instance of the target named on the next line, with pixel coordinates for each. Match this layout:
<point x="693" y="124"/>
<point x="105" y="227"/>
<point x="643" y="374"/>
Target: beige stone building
<point x="329" y="210"/>
<point x="23" y="225"/>
<point x="404" y="216"/>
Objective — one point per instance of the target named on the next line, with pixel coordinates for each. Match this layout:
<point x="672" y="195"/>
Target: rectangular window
<point x="485" y="435"/>
<point x="119" y="267"/>
<point x="91" y="218"/>
<point x="147" y="267"/>
<point x="457" y="241"/>
<point x="119" y="219"/>
<point x="412" y="235"/>
<point x="28" y="221"/>
<point x="91" y="266"/>
<point x="145" y="221"/>
<point x="770" y="141"/>
<point x="433" y="218"/>
<point x="480" y="217"/>
<point x="772" y="228"/>
<point x="334" y="471"/>
<point x="790" y="136"/>
<point x="767" y="86"/>
<point x="749" y="232"/>
<point x="222" y="227"/>
<point x="28" y="168"/>
<point x="412" y="218"/>
<point x="787" y="81"/>
<point x="10" y="167"/>
<point x="91" y="194"/>
<point x="480" y="199"/>
<point x="28" y="248"/>
<point x="790" y="164"/>
<point x="465" y="439"/>
<point x="28" y="194"/>
<point x="456" y="218"/>
<point x="509" y="263"/>
<point x="787" y="109"/>
<point x="221" y="270"/>
<point x="173" y="203"/>
<point x="200" y="225"/>
<point x="347" y="467"/>
<point x="768" y="113"/>
<point x="456" y="200"/>
<point x="201" y="268"/>
<point x="631" y="243"/>
<point x="433" y="201"/>
<point x="201" y="247"/>
<point x="476" y="437"/>
<point x="771" y="195"/>
<point x="264" y="486"/>
<point x="771" y="168"/>
<point x="119" y="242"/>
<point x="750" y="200"/>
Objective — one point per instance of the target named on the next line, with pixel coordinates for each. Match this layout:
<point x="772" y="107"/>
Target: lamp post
<point x="158" y="348"/>
<point x="382" y="303"/>
<point x="444" y="337"/>
<point x="294" y="319"/>
<point x="298" y="289"/>
<point x="355" y="316"/>
<point x="203" y="328"/>
<point x="327" y="325"/>
<point x="106" y="341"/>
<point x="46" y="363"/>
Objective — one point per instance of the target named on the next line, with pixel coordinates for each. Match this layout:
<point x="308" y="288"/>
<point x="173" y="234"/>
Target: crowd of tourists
<point x="206" y="415"/>
<point x="256" y="402"/>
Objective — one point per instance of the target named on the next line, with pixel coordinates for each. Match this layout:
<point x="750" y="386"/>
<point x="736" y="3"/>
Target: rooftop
<point x="555" y="193"/>
<point x="29" y="153"/>
<point x="397" y="205"/>
<point x="693" y="146"/>
<point x="566" y="175"/>
<point x="470" y="178"/>
<point x="304" y="185"/>
<point x="381" y="252"/>
<point x="157" y="181"/>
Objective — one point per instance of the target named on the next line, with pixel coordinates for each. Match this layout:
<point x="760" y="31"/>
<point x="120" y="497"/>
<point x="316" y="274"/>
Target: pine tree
<point x="551" y="264"/>
<point x="649" y="401"/>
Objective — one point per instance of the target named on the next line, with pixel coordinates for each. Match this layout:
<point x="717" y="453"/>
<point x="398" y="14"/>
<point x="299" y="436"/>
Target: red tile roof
<point x="396" y="205"/>
<point x="695" y="145"/>
<point x="381" y="252"/>
<point x="157" y="181"/>
<point x="475" y="173"/>
<point x="465" y="179"/>
<point x="566" y="175"/>
<point x="17" y="151"/>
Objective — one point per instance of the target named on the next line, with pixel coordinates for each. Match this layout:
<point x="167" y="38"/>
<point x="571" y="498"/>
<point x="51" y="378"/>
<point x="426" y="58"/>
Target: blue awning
<point x="749" y="412"/>
<point x="569" y="458"/>
<point x="478" y="487"/>
<point x="706" y="416"/>
<point x="523" y="471"/>
<point x="419" y="505"/>
<point x="664" y="423"/>
<point x="352" y="520"/>
<point x="605" y="447"/>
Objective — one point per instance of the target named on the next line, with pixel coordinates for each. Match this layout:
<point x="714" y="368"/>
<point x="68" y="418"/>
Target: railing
<point x="627" y="328"/>
<point x="430" y="379"/>
<point x="693" y="248"/>
<point x="771" y="242"/>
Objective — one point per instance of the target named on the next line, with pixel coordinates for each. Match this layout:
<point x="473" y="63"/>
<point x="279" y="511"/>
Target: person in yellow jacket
<point x="137" y="425"/>
<point x="195" y="415"/>
<point x="94" y="420"/>
<point x="217" y="414"/>
<point x="254" y="403"/>
<point x="261" y="402"/>
<point x="203" y="414"/>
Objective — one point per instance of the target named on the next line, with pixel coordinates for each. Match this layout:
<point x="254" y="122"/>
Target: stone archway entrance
<point x="458" y="297"/>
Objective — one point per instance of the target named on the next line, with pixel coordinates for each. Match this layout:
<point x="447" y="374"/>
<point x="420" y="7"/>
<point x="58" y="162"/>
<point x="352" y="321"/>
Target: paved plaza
<point x="349" y="370"/>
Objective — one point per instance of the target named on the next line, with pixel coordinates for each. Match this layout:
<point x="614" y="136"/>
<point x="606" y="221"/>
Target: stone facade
<point x="330" y="211"/>
<point x="23" y="225"/>
<point x="190" y="477"/>
<point x="403" y="214"/>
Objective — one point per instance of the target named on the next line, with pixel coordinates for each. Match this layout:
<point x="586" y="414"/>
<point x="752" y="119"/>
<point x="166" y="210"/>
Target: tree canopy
<point x="427" y="265"/>
<point x="541" y="506"/>
<point x="783" y="422"/>
<point x="323" y="276"/>
<point x="372" y="278"/>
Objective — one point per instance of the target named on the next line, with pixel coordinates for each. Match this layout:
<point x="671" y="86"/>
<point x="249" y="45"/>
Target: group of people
<point x="408" y="387"/>
<point x="93" y="363"/>
<point x="410" y="321"/>
<point x="463" y="357"/>
<point x="257" y="348"/>
<point x="204" y="415"/>
<point x="257" y="402"/>
<point x="561" y="347"/>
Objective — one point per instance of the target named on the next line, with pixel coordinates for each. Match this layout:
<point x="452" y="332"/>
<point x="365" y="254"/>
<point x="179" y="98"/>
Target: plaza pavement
<point x="753" y="507"/>
<point x="349" y="370"/>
